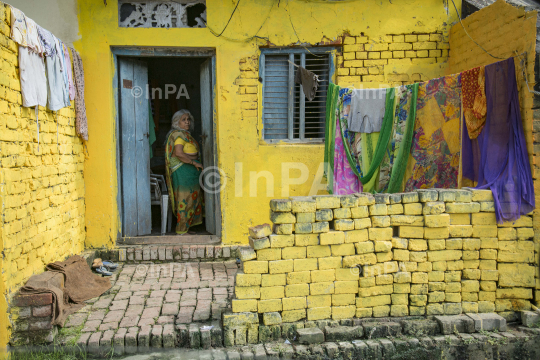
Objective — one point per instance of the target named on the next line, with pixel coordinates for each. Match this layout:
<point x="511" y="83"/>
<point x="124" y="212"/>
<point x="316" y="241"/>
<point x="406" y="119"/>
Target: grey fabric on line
<point x="367" y="110"/>
<point x="309" y="82"/>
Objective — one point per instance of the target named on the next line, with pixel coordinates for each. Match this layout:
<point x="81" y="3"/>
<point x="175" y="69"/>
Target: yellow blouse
<point x="188" y="147"/>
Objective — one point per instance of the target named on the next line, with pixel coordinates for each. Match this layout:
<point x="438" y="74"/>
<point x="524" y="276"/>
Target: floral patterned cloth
<point x="80" y="106"/>
<point x="183" y="183"/>
<point x="473" y="83"/>
<point x="435" y="151"/>
<point x="345" y="179"/>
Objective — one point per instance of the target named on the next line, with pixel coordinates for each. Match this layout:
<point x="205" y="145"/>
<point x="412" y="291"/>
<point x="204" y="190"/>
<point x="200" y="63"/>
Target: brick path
<point x="155" y="297"/>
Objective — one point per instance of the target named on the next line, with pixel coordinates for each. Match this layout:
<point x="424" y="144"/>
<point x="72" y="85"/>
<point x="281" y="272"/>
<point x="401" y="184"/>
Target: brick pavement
<point x="154" y="297"/>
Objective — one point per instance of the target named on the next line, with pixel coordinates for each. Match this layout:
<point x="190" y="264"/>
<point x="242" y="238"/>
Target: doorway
<point x="150" y="90"/>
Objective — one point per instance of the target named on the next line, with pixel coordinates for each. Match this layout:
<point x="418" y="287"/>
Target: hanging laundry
<point x="435" y="152"/>
<point x="367" y="110"/>
<point x="69" y="73"/>
<point x="474" y="100"/>
<point x="309" y="82"/>
<point x="31" y="66"/>
<point x="18" y="27"/>
<point x="346" y="179"/>
<point x="80" y="106"/>
<point x="394" y="163"/>
<point x="55" y="78"/>
<point x="497" y="159"/>
<point x="62" y="56"/>
<point x="332" y="97"/>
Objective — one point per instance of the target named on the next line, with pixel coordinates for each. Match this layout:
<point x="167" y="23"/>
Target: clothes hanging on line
<point x="309" y="82"/>
<point x="71" y="86"/>
<point x="18" y="27"/>
<point x="332" y="98"/>
<point x="497" y="159"/>
<point x="367" y="110"/>
<point x="435" y="152"/>
<point x="80" y="105"/>
<point x="473" y="86"/>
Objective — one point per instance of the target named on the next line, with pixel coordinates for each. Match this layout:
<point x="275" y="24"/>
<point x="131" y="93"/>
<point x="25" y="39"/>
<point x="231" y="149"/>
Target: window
<point x="287" y="114"/>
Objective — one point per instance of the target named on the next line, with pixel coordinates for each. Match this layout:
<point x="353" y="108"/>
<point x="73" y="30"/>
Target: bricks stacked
<point x="428" y="252"/>
<point x="248" y="83"/>
<point x="33" y="316"/>
<point x="364" y="58"/>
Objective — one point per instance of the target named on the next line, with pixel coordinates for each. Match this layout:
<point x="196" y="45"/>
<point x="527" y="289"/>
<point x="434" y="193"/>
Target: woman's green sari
<point x="183" y="181"/>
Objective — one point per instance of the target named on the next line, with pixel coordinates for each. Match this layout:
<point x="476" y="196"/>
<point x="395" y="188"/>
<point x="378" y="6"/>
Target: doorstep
<point x="170" y="240"/>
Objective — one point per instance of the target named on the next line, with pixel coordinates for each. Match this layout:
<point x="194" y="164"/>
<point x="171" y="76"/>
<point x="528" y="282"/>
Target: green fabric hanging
<point x="368" y="151"/>
<point x="151" y="129"/>
<point x="382" y="143"/>
<point x="400" y="162"/>
<point x="329" y="140"/>
<point x="384" y="136"/>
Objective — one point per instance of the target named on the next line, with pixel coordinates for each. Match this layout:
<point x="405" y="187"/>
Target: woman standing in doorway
<point x="183" y="169"/>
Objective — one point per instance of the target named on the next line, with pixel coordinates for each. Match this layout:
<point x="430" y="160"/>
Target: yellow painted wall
<point x="41" y="190"/>
<point x="238" y="124"/>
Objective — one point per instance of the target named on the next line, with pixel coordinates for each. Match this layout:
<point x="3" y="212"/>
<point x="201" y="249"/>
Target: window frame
<point x="331" y="51"/>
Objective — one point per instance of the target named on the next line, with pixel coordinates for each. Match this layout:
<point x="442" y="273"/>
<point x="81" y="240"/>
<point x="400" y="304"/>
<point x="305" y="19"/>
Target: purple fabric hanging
<point x="498" y="158"/>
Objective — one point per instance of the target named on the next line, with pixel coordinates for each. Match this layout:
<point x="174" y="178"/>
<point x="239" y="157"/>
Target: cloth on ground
<point x="394" y="163"/>
<point x="49" y="283"/>
<point x="80" y="283"/>
<point x="498" y="158"/>
<point x="80" y="106"/>
<point x="367" y="110"/>
<point x="329" y="140"/>
<point x="435" y="151"/>
<point x="474" y="100"/>
<point x="309" y="82"/>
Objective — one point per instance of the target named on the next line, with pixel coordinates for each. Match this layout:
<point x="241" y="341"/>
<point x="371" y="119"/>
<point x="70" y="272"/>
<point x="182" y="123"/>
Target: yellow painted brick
<point x="255" y="267"/>
<point x="342" y="213"/>
<point x="354" y="260"/>
<point x="439" y="244"/>
<point x="343" y="299"/>
<point x="316" y="301"/>
<point x="291" y="316"/>
<point x="280" y="266"/>
<point x="444" y="255"/>
<point x="523" y="221"/>
<point x="354" y="63"/>
<point x="460" y="230"/>
<point x="323" y="275"/>
<point x="303" y="204"/>
<point x="294" y="303"/>
<point x="484" y="231"/>
<point x="373" y="301"/>
<point x="436" y="233"/>
<point x="398" y="38"/>
<point x="331" y="262"/>
<point x="381" y="268"/>
<point x="380" y="234"/>
<point x="471" y="244"/>
<point x="418" y="256"/>
<point x="525" y="233"/>
<point x="401" y="255"/>
<point x="460" y="219"/>
<point x="359" y="212"/>
<point x="425" y="266"/>
<point x="414" y="232"/>
<point x="487" y="265"/>
<point x="348" y="40"/>
<point x="330" y="238"/>
<point x="342" y="250"/>
<point x="489" y="243"/>
<point x="360" y="224"/>
<point x="299" y="277"/>
<point x="395" y="209"/>
<point x="437" y="221"/>
<point x="349" y="274"/>
<point x="384" y="256"/>
<point x="408" y="266"/>
<point x="384" y="279"/>
<point x="273" y="280"/>
<point x="301" y="265"/>
<point x="247" y="292"/>
<point x="378" y="210"/>
<point x="269" y="305"/>
<point x="452" y="297"/>
<point x="268" y="254"/>
<point x="380" y="221"/>
<point x="376" y="47"/>
<point x="322" y="288"/>
<point x="319" y="313"/>
<point x="318" y="251"/>
<point x="248" y="279"/>
<point x="353" y="48"/>
<point x="244" y="305"/>
<point x="362" y="55"/>
<point x="343" y="312"/>
<point x="412" y="209"/>
<point x="454" y="244"/>
<point x="399" y="243"/>
<point x="281" y="241"/>
<point x="306" y="239"/>
<point x="293" y="253"/>
<point x="343" y="224"/>
<point x="273" y="292"/>
<point x="296" y="290"/>
<point x="417" y="245"/>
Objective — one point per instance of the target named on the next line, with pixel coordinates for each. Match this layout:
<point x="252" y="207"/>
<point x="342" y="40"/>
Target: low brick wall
<point x="135" y="254"/>
<point x="428" y="252"/>
<point x="34" y="319"/>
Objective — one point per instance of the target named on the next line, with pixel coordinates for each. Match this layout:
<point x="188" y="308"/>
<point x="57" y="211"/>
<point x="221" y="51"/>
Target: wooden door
<point x="135" y="149"/>
<point x="209" y="151"/>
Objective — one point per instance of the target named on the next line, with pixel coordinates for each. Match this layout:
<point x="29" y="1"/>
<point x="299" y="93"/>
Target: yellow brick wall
<point x="428" y="252"/>
<point x="393" y="59"/>
<point x="41" y="191"/>
<point x="504" y="31"/>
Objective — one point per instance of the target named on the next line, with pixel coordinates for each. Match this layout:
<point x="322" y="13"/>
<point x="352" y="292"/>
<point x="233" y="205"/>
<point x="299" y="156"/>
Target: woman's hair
<point x="176" y="118"/>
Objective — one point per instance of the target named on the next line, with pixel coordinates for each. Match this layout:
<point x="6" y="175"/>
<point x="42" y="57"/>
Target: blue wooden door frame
<point x="159" y="52"/>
